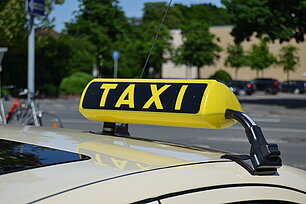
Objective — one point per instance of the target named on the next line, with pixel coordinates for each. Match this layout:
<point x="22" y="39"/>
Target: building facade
<point x="170" y="70"/>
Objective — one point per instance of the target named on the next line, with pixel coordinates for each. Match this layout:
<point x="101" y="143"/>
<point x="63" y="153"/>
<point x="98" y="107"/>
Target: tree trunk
<point x="198" y="73"/>
<point x="288" y="76"/>
<point x="186" y="72"/>
<point x="236" y="73"/>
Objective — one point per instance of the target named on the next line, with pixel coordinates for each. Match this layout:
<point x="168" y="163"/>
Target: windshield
<point x="16" y="156"/>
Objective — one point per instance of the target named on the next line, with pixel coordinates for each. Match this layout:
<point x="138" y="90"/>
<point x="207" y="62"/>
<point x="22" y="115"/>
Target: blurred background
<point x="227" y="40"/>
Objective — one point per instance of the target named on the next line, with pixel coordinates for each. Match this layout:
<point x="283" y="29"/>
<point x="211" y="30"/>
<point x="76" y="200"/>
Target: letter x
<point x="155" y="96"/>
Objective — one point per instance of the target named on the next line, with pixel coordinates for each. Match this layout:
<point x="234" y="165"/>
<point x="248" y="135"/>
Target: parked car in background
<point x="242" y="88"/>
<point x="268" y="85"/>
<point x="295" y="86"/>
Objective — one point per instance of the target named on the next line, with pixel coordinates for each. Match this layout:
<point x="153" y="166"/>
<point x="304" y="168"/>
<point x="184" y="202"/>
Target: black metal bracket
<point x="264" y="158"/>
<point x="114" y="129"/>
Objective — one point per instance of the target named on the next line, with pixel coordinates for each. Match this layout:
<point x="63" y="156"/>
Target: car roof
<point x="125" y="160"/>
<point x="110" y="157"/>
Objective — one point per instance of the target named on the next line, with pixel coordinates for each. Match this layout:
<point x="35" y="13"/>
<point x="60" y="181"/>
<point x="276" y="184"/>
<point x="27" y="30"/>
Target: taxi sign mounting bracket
<point x="114" y="129"/>
<point x="264" y="157"/>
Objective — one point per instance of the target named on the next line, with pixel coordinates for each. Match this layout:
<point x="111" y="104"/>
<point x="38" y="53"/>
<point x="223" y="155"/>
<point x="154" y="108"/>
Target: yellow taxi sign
<point x="173" y="102"/>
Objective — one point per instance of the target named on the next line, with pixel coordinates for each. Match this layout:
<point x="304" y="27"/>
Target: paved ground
<point x="281" y="123"/>
<point x="287" y="100"/>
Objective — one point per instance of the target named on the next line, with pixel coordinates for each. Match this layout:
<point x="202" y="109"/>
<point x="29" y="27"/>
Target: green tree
<point x="206" y="13"/>
<point x="140" y="40"/>
<point x="154" y="12"/>
<point x="12" y="24"/>
<point x="260" y="58"/>
<point x="199" y="48"/>
<point x="13" y="29"/>
<point x="13" y="20"/>
<point x="75" y="83"/>
<point x="236" y="57"/>
<point x="288" y="59"/>
<point x="277" y="19"/>
<point x="57" y="58"/>
<point x="146" y="37"/>
<point x="221" y="75"/>
<point x="104" y="25"/>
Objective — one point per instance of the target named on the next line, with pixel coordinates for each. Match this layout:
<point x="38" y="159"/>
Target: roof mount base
<point x="114" y="129"/>
<point x="264" y="158"/>
<point x="246" y="162"/>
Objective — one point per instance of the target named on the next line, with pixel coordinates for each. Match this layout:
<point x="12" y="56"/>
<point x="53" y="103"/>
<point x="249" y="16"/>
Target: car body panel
<point x="123" y="170"/>
<point x="175" y="181"/>
<point x="239" y="194"/>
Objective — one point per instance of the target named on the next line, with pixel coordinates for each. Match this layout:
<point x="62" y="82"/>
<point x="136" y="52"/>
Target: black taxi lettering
<point x="154" y="97"/>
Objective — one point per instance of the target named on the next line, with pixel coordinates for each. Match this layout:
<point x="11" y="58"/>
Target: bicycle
<point x="30" y="114"/>
<point x="2" y="113"/>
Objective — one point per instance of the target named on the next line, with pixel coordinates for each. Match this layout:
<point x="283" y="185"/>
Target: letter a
<point x="129" y="93"/>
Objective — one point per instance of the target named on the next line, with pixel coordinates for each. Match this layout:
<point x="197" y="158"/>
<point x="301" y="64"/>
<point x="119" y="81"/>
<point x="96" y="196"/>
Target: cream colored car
<point x="46" y="165"/>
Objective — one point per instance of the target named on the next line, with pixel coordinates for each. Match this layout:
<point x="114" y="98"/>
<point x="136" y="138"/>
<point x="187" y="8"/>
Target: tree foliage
<point x="206" y="13"/>
<point x="14" y="33"/>
<point x="154" y="12"/>
<point x="13" y="20"/>
<point x="12" y="24"/>
<point x="260" y="58"/>
<point x="199" y="47"/>
<point x="180" y="15"/>
<point x="147" y="30"/>
<point x="162" y="46"/>
<point x="98" y="29"/>
<point x="75" y="83"/>
<point x="288" y="59"/>
<point x="277" y="19"/>
<point x="236" y="57"/>
<point x="221" y="75"/>
<point x="57" y="58"/>
<point x="104" y="25"/>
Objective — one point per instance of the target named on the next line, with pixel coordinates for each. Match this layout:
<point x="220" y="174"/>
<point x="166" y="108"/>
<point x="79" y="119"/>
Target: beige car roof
<point x="123" y="170"/>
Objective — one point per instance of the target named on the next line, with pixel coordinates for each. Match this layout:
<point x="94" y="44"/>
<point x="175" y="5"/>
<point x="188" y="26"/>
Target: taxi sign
<point x="173" y="102"/>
